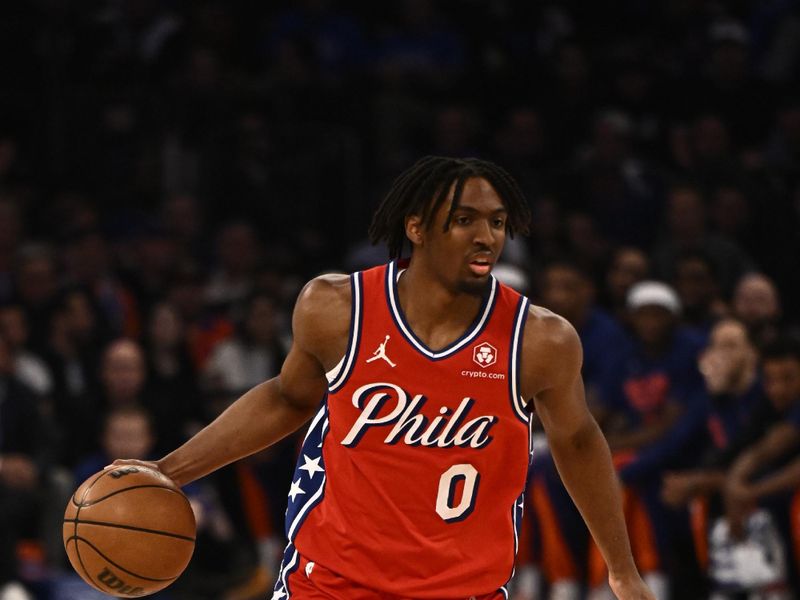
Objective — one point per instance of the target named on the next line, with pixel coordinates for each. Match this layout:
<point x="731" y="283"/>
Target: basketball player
<point x="419" y="377"/>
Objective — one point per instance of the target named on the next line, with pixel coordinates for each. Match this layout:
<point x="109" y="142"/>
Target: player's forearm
<point x="584" y="463"/>
<point x="258" y="419"/>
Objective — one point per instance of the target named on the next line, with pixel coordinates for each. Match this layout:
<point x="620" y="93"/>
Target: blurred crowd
<point x="172" y="171"/>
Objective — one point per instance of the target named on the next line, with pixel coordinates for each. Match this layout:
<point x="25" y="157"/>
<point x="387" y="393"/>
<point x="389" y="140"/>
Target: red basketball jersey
<point x="411" y="476"/>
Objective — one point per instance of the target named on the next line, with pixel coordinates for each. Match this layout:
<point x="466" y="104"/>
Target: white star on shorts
<point x="295" y="490"/>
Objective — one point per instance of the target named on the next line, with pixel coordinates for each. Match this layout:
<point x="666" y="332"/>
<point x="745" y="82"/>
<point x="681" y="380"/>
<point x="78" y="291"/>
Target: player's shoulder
<point x="328" y="295"/>
<point x="550" y="340"/>
<point x="551" y="351"/>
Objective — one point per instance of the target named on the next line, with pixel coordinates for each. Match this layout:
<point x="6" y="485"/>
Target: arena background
<point x="171" y="172"/>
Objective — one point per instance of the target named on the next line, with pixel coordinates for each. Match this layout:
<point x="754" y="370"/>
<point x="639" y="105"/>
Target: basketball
<point x="129" y="531"/>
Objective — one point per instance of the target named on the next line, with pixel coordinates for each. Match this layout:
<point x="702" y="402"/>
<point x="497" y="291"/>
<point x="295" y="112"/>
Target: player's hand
<point x="630" y="588"/>
<point x="148" y="464"/>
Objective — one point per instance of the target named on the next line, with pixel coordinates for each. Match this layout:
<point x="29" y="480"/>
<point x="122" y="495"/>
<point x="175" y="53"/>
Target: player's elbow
<point x="582" y="438"/>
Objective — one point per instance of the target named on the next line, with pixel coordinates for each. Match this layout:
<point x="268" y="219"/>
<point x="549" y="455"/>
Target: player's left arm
<point x="551" y="377"/>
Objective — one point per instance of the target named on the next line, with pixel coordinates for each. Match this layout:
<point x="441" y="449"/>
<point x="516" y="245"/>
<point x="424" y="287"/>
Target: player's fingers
<point x="130" y="461"/>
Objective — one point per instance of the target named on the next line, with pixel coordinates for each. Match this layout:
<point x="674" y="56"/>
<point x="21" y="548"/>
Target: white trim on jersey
<point x="317" y="417"/>
<point x="355" y="334"/>
<point x="516" y="348"/>
<point x="409" y="335"/>
<point x="286" y="569"/>
<point x="334" y="372"/>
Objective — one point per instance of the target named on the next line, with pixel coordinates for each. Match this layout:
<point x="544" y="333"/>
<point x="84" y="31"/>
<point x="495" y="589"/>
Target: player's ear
<point x="415" y="232"/>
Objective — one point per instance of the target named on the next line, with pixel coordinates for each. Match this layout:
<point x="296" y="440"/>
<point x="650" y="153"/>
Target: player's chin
<point x="474" y="284"/>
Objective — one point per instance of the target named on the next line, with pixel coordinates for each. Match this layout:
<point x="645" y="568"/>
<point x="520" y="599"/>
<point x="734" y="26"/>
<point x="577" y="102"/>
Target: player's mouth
<point x="480" y="266"/>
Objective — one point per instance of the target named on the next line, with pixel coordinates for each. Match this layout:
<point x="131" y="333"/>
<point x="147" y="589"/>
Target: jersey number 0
<point x="448" y="484"/>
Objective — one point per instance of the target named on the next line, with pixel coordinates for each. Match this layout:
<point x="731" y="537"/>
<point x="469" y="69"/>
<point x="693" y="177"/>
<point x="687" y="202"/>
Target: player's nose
<point x="484" y="234"/>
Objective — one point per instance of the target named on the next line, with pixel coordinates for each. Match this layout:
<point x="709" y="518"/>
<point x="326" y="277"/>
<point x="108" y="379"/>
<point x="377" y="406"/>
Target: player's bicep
<point x="560" y="401"/>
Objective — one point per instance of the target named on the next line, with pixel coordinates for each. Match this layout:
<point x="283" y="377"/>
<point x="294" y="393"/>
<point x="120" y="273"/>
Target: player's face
<point x="464" y="254"/>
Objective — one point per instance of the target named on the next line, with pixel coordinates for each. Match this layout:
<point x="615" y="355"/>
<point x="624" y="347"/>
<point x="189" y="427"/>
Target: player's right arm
<point x="272" y="410"/>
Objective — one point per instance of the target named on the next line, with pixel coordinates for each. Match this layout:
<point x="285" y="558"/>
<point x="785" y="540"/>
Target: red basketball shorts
<point x="311" y="581"/>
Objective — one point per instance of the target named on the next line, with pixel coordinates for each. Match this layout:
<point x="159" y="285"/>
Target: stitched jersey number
<point x="447" y="490"/>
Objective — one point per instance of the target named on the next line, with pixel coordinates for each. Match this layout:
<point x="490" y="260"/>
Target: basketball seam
<point x="93" y="547"/>
<point x="131" y="527"/>
<point x="133" y="487"/>
<point x="75" y="533"/>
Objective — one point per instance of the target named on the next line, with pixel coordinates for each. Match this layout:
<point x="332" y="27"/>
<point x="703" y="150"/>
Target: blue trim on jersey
<point x="517" y="510"/>
<point x="471" y="333"/>
<point x="354" y="337"/>
<point x="289" y="564"/>
<point x="309" y="474"/>
<point x="515" y="361"/>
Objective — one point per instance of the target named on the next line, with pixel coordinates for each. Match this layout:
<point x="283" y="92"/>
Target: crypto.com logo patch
<point x="484" y="355"/>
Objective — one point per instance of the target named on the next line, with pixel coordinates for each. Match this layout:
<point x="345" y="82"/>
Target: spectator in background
<point x="732" y="216"/>
<point x="547" y="240"/>
<point x="28" y="367"/>
<point x="238" y="253"/>
<point x="205" y="328"/>
<point x="172" y="373"/>
<point x="126" y="431"/>
<point x="521" y="146"/>
<point x="767" y="472"/>
<point x="729" y="366"/>
<point x="699" y="291"/>
<point x="657" y="406"/>
<point x="559" y="533"/>
<point x="615" y="186"/>
<point x="687" y="230"/>
<point x="89" y="264"/>
<point x="253" y="354"/>
<point x="123" y="379"/>
<point x="36" y="286"/>
<point x="155" y="259"/>
<point x="184" y="221"/>
<point x="24" y="450"/>
<point x="569" y="290"/>
<point x="629" y="266"/>
<point x="74" y="343"/>
<point x="757" y="303"/>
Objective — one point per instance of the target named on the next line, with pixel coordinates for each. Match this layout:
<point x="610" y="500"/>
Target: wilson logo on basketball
<point x="484" y="355"/>
<point x="122" y="472"/>
<point x="109" y="579"/>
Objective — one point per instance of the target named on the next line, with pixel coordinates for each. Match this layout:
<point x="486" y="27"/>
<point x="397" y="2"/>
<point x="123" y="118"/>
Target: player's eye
<point x="462" y="220"/>
<point x="499" y="223"/>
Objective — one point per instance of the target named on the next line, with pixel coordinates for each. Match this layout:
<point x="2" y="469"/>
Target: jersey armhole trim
<point x="356" y="312"/>
<point x="520" y="318"/>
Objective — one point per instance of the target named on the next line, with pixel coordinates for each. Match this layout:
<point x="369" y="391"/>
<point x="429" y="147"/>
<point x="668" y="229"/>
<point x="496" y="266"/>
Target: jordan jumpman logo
<point x="381" y="353"/>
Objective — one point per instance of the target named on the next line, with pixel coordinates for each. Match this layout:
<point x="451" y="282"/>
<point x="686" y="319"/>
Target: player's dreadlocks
<point x="423" y="188"/>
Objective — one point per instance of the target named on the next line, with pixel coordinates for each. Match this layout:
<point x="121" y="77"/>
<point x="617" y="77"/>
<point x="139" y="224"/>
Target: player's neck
<point x="437" y="315"/>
